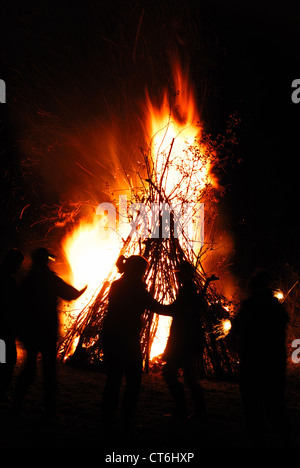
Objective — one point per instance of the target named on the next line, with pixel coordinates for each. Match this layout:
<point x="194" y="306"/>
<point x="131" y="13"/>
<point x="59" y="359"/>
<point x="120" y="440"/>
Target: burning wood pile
<point x="163" y="220"/>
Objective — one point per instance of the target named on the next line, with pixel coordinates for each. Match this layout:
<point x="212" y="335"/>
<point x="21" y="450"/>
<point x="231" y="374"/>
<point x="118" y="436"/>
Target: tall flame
<point x="180" y="167"/>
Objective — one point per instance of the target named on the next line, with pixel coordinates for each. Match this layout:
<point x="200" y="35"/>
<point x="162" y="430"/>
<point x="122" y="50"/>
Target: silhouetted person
<point x="128" y="300"/>
<point x="260" y="326"/>
<point x="8" y="316"/>
<point x="185" y="344"/>
<point x="40" y="291"/>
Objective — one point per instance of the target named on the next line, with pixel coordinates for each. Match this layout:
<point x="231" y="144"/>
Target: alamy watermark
<point x="296" y="354"/>
<point x="2" y="352"/>
<point x="2" y="92"/>
<point x="156" y="220"/>
<point x="295" y="96"/>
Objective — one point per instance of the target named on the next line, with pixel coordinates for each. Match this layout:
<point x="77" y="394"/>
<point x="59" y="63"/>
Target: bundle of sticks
<point x="165" y="251"/>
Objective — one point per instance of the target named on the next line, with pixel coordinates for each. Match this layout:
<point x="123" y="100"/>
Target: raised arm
<point x="209" y="280"/>
<point x="66" y="291"/>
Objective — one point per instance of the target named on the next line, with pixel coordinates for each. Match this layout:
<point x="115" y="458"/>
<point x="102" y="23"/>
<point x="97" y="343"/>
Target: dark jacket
<point x="261" y="328"/>
<point x="128" y="300"/>
<point x="186" y="332"/>
<point x="40" y="291"/>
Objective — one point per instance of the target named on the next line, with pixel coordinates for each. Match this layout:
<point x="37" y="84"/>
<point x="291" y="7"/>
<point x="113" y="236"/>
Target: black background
<point x="74" y="64"/>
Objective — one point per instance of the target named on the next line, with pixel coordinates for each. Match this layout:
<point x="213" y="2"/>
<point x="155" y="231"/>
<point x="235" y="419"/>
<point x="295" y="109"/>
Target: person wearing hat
<point x="40" y="291"/>
<point x="8" y="316"/>
<point x="128" y="299"/>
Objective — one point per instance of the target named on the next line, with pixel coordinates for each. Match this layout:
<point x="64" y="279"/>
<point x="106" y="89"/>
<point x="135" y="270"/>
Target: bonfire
<point x="161" y="215"/>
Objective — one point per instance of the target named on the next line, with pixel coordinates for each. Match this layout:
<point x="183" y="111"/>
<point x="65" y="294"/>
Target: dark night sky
<point x="75" y="65"/>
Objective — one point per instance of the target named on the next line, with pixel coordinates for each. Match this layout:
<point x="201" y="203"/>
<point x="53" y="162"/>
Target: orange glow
<point x="91" y="252"/>
<point x="279" y="295"/>
<point x="161" y="336"/>
<point x="176" y="151"/>
<point x="175" y="135"/>
<point x="180" y="167"/>
<point x="226" y="324"/>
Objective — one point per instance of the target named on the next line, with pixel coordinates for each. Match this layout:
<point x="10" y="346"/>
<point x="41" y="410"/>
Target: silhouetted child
<point x="40" y="291"/>
<point x="128" y="300"/>
<point x="186" y="343"/>
<point x="260" y="326"/>
<point x="8" y="316"/>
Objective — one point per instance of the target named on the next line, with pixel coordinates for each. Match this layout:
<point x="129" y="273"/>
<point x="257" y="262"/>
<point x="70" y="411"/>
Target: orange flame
<point x="179" y="165"/>
<point x="174" y="132"/>
<point x="91" y="251"/>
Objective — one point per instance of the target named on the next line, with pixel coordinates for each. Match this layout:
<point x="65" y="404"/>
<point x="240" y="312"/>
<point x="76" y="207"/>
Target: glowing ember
<point x="279" y="295"/>
<point x="226" y="324"/>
